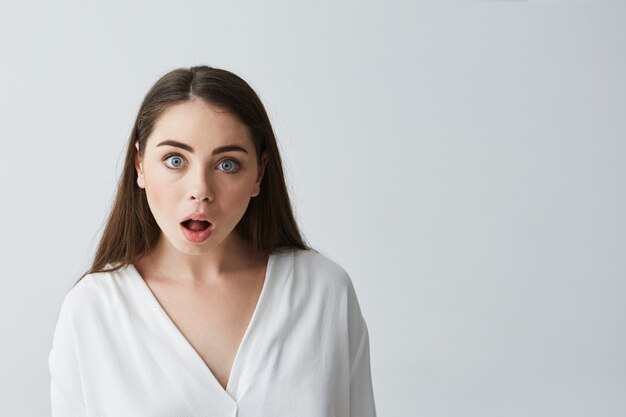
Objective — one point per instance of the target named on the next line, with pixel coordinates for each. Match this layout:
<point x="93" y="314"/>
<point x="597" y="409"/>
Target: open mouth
<point x="196" y="225"/>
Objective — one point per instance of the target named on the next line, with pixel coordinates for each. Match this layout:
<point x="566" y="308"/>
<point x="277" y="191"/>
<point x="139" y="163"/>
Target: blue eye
<point x="229" y="163"/>
<point x="174" y="158"/>
<point x="230" y="166"/>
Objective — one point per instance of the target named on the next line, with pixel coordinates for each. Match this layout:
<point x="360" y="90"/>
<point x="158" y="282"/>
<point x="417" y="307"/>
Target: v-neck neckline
<point x="189" y="347"/>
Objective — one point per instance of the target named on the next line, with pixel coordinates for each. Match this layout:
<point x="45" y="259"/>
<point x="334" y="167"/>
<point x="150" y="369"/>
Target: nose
<point x="200" y="189"/>
<point x="201" y="198"/>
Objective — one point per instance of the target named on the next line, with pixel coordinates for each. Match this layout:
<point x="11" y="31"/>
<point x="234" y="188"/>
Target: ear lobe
<point x="139" y="168"/>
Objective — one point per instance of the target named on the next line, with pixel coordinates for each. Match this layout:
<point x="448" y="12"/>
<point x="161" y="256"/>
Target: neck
<point x="212" y="267"/>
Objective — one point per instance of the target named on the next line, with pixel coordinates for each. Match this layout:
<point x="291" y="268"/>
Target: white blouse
<point x="116" y="352"/>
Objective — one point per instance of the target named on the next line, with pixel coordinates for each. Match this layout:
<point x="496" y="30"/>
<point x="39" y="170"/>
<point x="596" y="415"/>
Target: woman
<point x="203" y="299"/>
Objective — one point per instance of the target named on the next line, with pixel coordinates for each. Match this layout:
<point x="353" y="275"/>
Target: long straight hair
<point x="268" y="223"/>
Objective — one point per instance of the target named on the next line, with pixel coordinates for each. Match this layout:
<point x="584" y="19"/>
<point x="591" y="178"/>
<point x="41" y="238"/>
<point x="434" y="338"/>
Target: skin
<point x="208" y="289"/>
<point x="200" y="182"/>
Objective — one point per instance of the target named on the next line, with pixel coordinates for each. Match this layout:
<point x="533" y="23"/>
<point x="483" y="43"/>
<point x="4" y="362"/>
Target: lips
<point x="199" y="235"/>
<point x="197" y="216"/>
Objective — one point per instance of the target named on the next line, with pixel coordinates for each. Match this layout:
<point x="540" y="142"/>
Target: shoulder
<point x="321" y="270"/>
<point x="319" y="263"/>
<point x="324" y="272"/>
<point x="94" y="291"/>
<point x="326" y="284"/>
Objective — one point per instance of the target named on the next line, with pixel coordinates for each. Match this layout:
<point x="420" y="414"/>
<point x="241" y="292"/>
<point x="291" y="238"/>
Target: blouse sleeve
<point x="65" y="386"/>
<point x="361" y="390"/>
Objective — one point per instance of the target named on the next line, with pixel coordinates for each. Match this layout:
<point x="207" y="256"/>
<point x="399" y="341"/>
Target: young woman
<point x="203" y="299"/>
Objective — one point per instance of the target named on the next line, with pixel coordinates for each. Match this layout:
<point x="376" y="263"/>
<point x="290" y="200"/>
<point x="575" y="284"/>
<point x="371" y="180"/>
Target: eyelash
<point x="225" y="172"/>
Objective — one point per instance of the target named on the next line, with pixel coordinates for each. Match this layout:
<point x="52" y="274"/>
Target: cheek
<point x="235" y="197"/>
<point x="161" y="193"/>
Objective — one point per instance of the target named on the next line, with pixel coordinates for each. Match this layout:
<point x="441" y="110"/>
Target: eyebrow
<point x="186" y="147"/>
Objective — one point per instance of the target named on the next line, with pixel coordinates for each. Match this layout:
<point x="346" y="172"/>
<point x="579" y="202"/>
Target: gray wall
<point x="464" y="161"/>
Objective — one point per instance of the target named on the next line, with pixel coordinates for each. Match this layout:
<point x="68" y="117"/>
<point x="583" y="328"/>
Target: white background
<point x="465" y="162"/>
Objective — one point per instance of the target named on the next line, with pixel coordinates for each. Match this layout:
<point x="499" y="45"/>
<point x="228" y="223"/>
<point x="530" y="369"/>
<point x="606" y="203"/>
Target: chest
<point x="213" y="319"/>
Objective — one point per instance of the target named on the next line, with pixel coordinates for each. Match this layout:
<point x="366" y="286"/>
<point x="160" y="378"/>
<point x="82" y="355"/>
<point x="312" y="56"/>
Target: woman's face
<point x="198" y="158"/>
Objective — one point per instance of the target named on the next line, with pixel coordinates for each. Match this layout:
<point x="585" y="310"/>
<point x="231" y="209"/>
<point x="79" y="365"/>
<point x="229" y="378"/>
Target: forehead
<point x="201" y="125"/>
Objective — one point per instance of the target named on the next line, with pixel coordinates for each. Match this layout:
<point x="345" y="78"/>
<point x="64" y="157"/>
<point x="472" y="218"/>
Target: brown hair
<point x="268" y="223"/>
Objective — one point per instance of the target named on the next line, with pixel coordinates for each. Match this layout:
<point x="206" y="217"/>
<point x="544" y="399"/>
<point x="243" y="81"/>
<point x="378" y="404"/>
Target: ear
<point x="257" y="185"/>
<point x="139" y="167"/>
